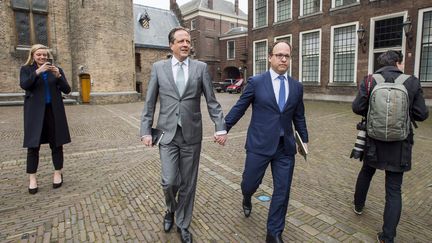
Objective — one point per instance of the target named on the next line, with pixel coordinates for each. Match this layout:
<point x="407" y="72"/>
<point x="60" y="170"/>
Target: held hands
<point x="220" y="139"/>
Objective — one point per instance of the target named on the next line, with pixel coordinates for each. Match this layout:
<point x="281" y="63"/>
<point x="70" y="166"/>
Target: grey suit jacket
<point x="162" y="86"/>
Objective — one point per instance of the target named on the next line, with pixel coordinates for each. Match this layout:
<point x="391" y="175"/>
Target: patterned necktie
<point x="281" y="101"/>
<point x="180" y="81"/>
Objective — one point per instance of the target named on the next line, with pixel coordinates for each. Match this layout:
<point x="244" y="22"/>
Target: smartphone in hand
<point x="50" y="60"/>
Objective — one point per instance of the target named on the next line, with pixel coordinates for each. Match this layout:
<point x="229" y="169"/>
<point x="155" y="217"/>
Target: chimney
<point x="236" y="7"/>
<point x="210" y="4"/>
<point x="173" y="4"/>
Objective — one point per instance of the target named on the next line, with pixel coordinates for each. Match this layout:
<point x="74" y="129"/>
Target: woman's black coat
<point x="34" y="106"/>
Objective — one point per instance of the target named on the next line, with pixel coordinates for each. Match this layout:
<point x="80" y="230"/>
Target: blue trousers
<point x="282" y="167"/>
<point x="393" y="198"/>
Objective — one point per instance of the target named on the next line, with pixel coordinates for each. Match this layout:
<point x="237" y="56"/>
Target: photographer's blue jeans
<point x="393" y="198"/>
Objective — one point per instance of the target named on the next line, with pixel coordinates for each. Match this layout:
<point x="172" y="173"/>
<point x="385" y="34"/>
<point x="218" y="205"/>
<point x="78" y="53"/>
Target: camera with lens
<point x="358" y="150"/>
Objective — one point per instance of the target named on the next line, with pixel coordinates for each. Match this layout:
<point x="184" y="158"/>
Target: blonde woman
<point x="44" y="112"/>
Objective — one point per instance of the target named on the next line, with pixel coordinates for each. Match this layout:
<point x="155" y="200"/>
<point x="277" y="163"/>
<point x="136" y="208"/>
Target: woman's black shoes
<point x="33" y="190"/>
<point x="58" y="185"/>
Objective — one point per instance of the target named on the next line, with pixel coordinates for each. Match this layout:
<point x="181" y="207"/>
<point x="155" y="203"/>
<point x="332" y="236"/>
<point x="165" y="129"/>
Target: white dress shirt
<point x="175" y="66"/>
<point x="276" y="84"/>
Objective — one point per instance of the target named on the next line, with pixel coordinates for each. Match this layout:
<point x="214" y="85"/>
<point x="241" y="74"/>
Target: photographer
<point x="394" y="157"/>
<point x="44" y="112"/>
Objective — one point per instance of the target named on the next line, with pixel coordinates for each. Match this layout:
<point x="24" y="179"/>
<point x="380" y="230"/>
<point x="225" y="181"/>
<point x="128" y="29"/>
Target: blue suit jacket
<point x="267" y="120"/>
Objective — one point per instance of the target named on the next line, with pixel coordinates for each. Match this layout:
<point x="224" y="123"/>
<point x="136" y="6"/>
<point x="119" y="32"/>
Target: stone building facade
<point x="81" y="37"/>
<point x="151" y="28"/>
<point x="335" y="43"/>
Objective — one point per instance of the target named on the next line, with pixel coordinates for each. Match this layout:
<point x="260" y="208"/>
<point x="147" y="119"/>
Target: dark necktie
<point x="281" y="100"/>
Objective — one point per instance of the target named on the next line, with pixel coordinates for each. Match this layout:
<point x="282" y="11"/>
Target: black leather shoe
<point x="33" y="190"/>
<point x="58" y="185"/>
<point x="247" y="206"/>
<point x="274" y="239"/>
<point x="185" y="235"/>
<point x="168" y="221"/>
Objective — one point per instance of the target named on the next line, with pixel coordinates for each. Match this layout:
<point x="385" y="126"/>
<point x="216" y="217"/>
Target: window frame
<point x="301" y="55"/>
<point x="254" y="55"/>
<point x="372" y="50"/>
<point x="33" y="37"/>
<point x="333" y="4"/>
<point x="302" y="9"/>
<point x="276" y="17"/>
<point x="228" y="50"/>
<point x="331" y="74"/>
<point x="255" y="15"/>
<point x="193" y="24"/>
<point x="419" y="42"/>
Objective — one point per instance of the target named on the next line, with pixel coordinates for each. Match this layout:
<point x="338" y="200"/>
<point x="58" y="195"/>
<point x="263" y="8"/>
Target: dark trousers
<point x="393" y="199"/>
<point x="48" y="134"/>
<point x="282" y="167"/>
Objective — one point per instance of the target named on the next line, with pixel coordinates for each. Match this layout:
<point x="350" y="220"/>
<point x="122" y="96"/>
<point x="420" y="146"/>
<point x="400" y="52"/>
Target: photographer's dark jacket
<point x="388" y="155"/>
<point x="34" y="106"/>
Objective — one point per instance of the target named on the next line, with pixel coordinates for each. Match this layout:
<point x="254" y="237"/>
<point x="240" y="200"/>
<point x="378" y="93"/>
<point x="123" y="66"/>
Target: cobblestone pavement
<point x="111" y="188"/>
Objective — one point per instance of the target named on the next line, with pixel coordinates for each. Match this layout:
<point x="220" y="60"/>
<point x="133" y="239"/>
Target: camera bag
<point x="388" y="115"/>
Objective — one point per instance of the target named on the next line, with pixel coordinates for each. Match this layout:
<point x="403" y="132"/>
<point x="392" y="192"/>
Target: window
<point x="344" y="52"/>
<point x="260" y="13"/>
<point x="193" y="24"/>
<point x="260" y="57"/>
<point x="137" y="62"/>
<point x="310" y="55"/>
<point x="283" y="10"/>
<point x="425" y="74"/>
<point x="232" y="25"/>
<point x="230" y="50"/>
<point x="209" y="45"/>
<point x="31" y="18"/>
<point x="388" y="33"/>
<point x="339" y="3"/>
<point x="311" y="6"/>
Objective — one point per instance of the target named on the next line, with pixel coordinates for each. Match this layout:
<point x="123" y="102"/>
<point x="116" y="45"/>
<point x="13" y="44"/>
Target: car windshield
<point x="239" y="82"/>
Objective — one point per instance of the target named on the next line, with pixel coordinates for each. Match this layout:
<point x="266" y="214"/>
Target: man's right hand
<point x="147" y="140"/>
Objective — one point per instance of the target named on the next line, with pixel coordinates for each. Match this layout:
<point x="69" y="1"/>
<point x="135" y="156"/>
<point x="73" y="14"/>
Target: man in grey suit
<point x="179" y="83"/>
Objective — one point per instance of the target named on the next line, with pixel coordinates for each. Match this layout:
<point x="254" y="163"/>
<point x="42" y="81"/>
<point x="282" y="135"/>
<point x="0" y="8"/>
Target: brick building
<point x="210" y="20"/>
<point x="81" y="37"/>
<point x="336" y="42"/>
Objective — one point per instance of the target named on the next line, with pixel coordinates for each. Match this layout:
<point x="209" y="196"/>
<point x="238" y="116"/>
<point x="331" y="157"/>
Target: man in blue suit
<point x="277" y="103"/>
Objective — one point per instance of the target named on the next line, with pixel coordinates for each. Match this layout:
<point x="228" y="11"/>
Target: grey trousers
<point x="179" y="177"/>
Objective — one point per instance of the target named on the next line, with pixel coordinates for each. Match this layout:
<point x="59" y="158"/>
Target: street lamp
<point x="361" y="34"/>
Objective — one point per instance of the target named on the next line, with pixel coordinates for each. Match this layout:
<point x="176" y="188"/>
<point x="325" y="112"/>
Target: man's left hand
<point x="220" y="139"/>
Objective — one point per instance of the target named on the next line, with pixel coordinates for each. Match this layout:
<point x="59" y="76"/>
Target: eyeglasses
<point x="281" y="56"/>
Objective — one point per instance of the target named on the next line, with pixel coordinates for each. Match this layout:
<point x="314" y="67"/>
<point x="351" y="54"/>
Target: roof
<point x="222" y="6"/>
<point x="161" y="22"/>
<point x="236" y="31"/>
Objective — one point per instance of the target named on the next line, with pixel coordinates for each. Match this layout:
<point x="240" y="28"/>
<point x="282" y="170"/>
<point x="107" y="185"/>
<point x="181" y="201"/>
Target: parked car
<point x="237" y="87"/>
<point x="222" y="86"/>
